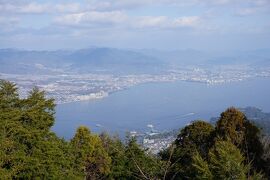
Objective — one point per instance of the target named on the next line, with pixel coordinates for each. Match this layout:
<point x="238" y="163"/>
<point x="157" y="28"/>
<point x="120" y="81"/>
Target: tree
<point x="130" y="160"/>
<point x="198" y="134"/>
<point x="266" y="154"/>
<point x="91" y="159"/>
<point x="11" y="151"/>
<point x="28" y="149"/>
<point x="231" y="126"/>
<point x="194" y="138"/>
<point x="9" y="97"/>
<point x="253" y="149"/>
<point x="38" y="111"/>
<point x="225" y="161"/>
<point x="141" y="165"/>
<point x="116" y="150"/>
<point x="201" y="168"/>
<point x="234" y="126"/>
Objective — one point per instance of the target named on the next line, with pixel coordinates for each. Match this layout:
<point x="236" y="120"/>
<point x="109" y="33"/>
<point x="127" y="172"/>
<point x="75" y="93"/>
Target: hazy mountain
<point x="115" y="60"/>
<point x="120" y="61"/>
<point x="258" y="58"/>
<point x="179" y="57"/>
<point x="107" y="59"/>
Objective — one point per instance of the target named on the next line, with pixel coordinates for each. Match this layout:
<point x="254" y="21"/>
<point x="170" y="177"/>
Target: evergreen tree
<point x="90" y="158"/>
<point x="201" y="168"/>
<point x="194" y="138"/>
<point x="12" y="153"/>
<point x="231" y="126"/>
<point x="141" y="165"/>
<point x="225" y="161"/>
<point x="116" y="150"/>
<point x="28" y="149"/>
<point x="234" y="126"/>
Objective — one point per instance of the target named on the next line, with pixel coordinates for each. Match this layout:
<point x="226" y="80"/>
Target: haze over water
<point x="165" y="105"/>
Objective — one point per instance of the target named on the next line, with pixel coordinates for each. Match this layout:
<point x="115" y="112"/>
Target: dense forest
<point x="233" y="148"/>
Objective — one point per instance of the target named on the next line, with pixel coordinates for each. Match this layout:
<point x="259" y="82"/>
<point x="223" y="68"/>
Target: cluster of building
<point x="154" y="141"/>
<point x="79" y="87"/>
<point x="155" y="145"/>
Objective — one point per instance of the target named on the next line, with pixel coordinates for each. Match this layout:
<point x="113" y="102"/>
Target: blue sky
<point x="212" y="25"/>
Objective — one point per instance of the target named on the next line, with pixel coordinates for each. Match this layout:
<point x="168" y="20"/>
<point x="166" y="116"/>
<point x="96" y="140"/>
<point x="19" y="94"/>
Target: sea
<point x="162" y="106"/>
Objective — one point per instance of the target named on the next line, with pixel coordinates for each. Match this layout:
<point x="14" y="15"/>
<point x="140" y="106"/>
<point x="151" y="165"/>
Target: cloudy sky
<point x="161" y="24"/>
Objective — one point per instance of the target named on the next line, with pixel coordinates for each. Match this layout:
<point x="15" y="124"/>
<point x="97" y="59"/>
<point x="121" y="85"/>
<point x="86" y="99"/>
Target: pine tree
<point x="192" y="139"/>
<point x="227" y="162"/>
<point x="90" y="158"/>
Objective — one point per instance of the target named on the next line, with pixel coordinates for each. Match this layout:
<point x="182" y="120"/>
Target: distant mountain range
<point x="84" y="60"/>
<point x="120" y="60"/>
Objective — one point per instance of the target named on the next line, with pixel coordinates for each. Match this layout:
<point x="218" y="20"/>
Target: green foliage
<point x="201" y="168"/>
<point x="38" y="111"/>
<point x="27" y="147"/>
<point x="231" y="125"/>
<point x="192" y="139"/>
<point x="234" y="126"/>
<point x="9" y="96"/>
<point x="227" y="162"/>
<point x="130" y="161"/>
<point x="116" y="150"/>
<point x="90" y="158"/>
<point x="139" y="164"/>
<point x="233" y="149"/>
<point x="197" y="135"/>
<point x="29" y="150"/>
<point x="253" y="149"/>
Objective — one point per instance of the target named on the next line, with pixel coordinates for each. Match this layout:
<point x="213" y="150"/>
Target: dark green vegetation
<point x="232" y="149"/>
<point x="255" y="115"/>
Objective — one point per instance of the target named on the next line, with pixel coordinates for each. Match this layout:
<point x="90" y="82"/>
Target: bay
<point x="166" y="106"/>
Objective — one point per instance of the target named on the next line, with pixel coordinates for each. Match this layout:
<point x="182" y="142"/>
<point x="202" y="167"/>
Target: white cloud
<point x="91" y="18"/>
<point x="26" y="6"/>
<point x="6" y="21"/>
<point x="131" y="4"/>
<point x="33" y="8"/>
<point x="38" y="8"/>
<point x="220" y="2"/>
<point x="166" y="22"/>
<point x="115" y="4"/>
<point x="191" y="21"/>
<point x="246" y="11"/>
<point x="138" y="3"/>
<point x="120" y="19"/>
<point x="150" y="21"/>
<point x="121" y="16"/>
<point x="8" y="25"/>
<point x="67" y="7"/>
<point x="260" y="2"/>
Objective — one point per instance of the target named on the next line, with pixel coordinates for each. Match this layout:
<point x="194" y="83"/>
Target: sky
<point x="211" y="25"/>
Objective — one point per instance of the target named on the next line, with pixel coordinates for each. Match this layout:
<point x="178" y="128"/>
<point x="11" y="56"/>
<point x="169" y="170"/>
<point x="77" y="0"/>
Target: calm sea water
<point x="164" y="105"/>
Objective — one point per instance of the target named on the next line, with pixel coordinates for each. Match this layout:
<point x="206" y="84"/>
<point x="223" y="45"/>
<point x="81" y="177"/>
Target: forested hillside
<point x="233" y="148"/>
